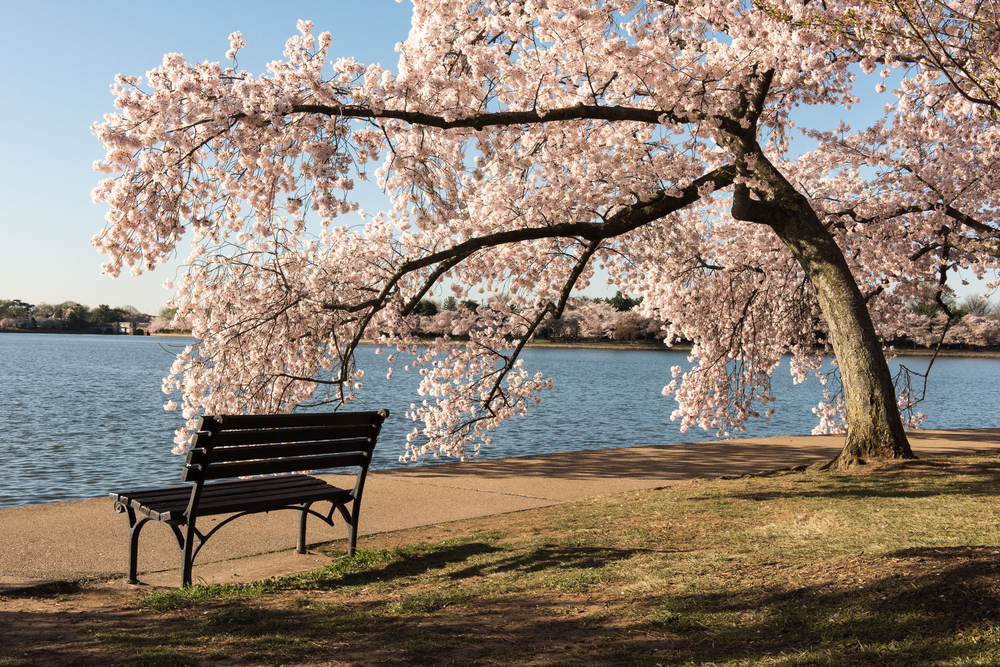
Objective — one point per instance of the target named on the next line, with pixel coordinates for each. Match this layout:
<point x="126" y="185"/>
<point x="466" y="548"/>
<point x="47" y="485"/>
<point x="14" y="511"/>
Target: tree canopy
<point x="15" y="308"/>
<point x="527" y="144"/>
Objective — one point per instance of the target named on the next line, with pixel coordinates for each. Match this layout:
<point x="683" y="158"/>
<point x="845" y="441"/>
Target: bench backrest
<point x="228" y="446"/>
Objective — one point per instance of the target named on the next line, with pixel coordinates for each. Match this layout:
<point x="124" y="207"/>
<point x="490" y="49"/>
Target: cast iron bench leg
<point x="135" y="526"/>
<point x="187" y="549"/>
<point x="352" y="530"/>
<point x="300" y="548"/>
<point x="133" y="545"/>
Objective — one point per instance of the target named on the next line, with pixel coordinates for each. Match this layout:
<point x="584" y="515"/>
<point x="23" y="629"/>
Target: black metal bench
<point x="234" y="448"/>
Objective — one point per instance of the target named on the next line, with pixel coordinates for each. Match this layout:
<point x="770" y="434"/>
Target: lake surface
<point x="82" y="415"/>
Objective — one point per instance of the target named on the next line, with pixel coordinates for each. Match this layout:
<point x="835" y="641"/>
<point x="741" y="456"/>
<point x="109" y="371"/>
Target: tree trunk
<point x="874" y="426"/>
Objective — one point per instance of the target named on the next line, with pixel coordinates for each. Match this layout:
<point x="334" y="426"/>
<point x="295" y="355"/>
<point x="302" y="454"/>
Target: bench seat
<point x="264" y="494"/>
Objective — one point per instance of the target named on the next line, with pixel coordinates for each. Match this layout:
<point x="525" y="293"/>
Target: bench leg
<point x="300" y="547"/>
<point x="351" y="519"/>
<point x="187" y="554"/>
<point x="133" y="545"/>
<point x="352" y="529"/>
<point x="352" y="538"/>
<point x="134" y="528"/>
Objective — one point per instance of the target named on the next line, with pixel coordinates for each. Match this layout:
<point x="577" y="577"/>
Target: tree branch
<point x="479" y="121"/>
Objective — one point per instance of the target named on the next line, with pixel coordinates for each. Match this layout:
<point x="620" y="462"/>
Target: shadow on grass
<point x="935" y="606"/>
<point x="403" y="563"/>
<point x="545" y="557"/>
<point x="919" y="606"/>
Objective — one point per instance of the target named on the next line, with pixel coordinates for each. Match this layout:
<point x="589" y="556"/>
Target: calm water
<point x="82" y="415"/>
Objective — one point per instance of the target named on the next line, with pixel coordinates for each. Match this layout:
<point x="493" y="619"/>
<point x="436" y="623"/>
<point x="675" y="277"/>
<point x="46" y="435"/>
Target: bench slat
<point x="272" y="500"/>
<point x="329" y="433"/>
<point x="216" y="455"/>
<point x="272" y="466"/>
<point x="168" y="493"/>
<point x="236" y="422"/>
<point x="257" y="486"/>
<point x="170" y="503"/>
<point x="184" y="489"/>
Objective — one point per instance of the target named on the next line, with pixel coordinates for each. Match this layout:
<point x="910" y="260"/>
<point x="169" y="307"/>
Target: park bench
<point x="236" y="464"/>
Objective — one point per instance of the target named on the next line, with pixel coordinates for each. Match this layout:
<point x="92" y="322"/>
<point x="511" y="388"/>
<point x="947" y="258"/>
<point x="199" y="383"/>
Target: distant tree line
<point x="66" y="316"/>
<point x="973" y="322"/>
<point x="610" y="319"/>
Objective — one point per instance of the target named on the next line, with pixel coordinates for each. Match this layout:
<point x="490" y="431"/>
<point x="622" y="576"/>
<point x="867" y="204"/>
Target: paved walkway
<point x="85" y="539"/>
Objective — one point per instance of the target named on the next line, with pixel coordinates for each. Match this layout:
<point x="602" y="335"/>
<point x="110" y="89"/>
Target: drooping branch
<point x="989" y="235"/>
<point x="556" y="309"/>
<point x="939" y="50"/>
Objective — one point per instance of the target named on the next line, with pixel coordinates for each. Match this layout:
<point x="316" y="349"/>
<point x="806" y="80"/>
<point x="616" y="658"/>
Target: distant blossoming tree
<point x="597" y="320"/>
<point x="161" y="325"/>
<point x="525" y="144"/>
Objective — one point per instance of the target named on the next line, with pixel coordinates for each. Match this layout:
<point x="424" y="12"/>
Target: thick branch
<point x="442" y="269"/>
<point x="479" y="121"/>
<point x="950" y="211"/>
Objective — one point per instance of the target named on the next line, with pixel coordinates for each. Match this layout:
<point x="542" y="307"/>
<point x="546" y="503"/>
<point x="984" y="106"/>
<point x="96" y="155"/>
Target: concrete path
<point x="85" y="539"/>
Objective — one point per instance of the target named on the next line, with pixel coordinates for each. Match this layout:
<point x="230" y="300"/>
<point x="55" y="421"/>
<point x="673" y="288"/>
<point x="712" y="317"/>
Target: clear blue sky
<point x="62" y="56"/>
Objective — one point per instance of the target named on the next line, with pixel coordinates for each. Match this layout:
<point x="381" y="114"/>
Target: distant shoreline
<point x="67" y="331"/>
<point x="645" y="346"/>
<point x="649" y="346"/>
<point x="92" y="333"/>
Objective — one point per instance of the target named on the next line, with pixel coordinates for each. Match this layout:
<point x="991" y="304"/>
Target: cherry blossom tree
<point x="525" y="144"/>
<point x="597" y="320"/>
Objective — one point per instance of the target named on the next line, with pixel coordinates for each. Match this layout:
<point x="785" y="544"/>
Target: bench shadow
<point x="548" y="556"/>
<point x="410" y="564"/>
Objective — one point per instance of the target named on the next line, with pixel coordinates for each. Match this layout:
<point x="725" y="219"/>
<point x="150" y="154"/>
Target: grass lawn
<point x="895" y="565"/>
